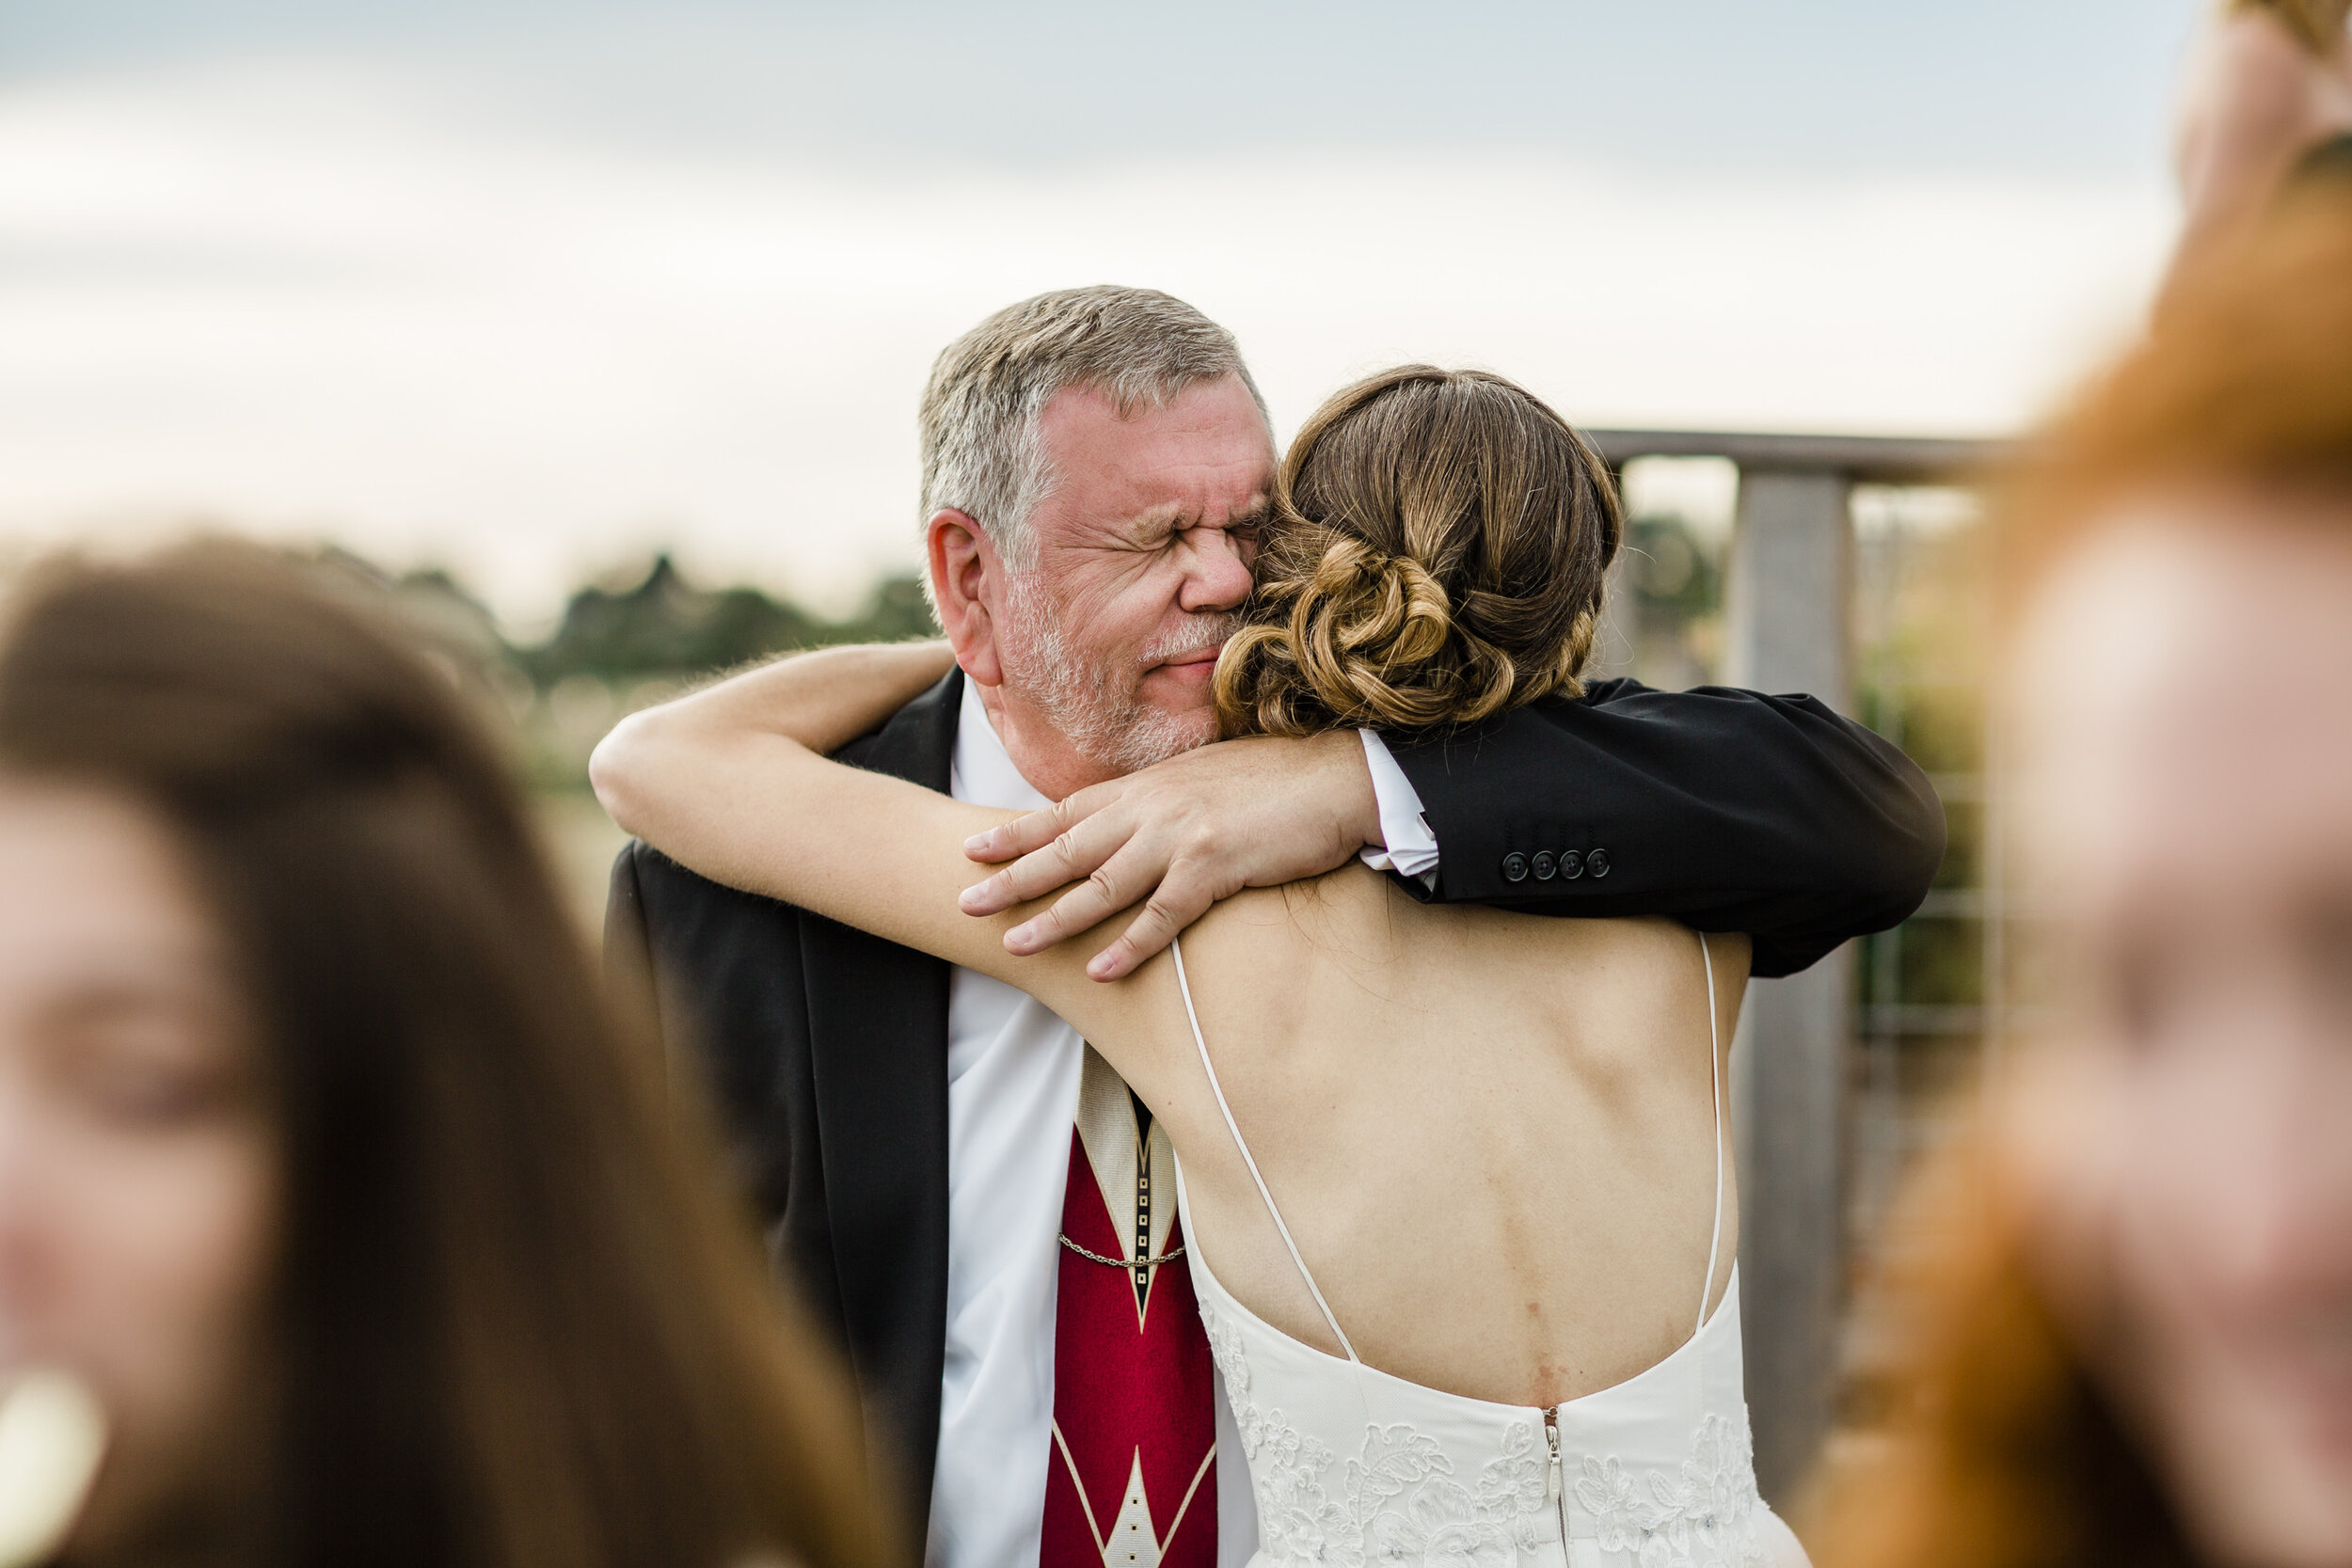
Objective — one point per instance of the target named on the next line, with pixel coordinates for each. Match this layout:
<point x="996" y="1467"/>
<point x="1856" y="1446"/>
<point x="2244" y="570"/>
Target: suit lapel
<point x="878" y="1032"/>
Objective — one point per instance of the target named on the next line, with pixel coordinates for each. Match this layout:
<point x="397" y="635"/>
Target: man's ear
<point x="967" y="583"/>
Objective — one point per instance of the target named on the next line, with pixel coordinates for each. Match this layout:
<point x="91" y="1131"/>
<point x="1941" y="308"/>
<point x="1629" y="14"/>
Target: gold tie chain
<point x="1169" y="1257"/>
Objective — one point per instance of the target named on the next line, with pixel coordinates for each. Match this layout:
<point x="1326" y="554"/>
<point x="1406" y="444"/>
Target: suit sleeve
<point x="1730" y="810"/>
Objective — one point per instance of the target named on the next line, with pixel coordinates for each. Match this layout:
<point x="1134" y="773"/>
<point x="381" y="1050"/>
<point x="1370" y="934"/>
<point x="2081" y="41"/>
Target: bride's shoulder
<point x="1348" y="911"/>
<point x="1365" y="916"/>
<point x="1301" y="908"/>
<point x="1654" y="942"/>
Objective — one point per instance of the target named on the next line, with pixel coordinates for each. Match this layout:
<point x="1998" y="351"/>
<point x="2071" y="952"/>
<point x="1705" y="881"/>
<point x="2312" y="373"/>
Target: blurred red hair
<point x="2001" y="1449"/>
<point x="2244" y="378"/>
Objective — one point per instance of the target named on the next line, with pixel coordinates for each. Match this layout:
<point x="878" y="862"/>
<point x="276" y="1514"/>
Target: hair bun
<point x="1369" y="638"/>
<point x="1436" y="556"/>
<point x="1374" y="605"/>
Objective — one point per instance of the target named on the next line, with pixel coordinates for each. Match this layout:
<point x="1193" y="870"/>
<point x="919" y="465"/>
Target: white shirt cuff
<point x="1412" y="849"/>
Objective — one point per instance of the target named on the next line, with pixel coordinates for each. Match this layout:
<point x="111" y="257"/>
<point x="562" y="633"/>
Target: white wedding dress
<point x="1353" y="1465"/>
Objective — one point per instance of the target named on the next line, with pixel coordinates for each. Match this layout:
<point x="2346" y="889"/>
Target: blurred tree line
<point x="617" y="649"/>
<point x="666" y="628"/>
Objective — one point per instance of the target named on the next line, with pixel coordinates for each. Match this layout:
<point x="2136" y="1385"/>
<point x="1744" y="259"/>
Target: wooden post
<point x="1786" y="630"/>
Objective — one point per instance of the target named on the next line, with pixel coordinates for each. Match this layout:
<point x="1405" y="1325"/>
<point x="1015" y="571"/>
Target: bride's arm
<point x="823" y="700"/>
<point x="732" y="781"/>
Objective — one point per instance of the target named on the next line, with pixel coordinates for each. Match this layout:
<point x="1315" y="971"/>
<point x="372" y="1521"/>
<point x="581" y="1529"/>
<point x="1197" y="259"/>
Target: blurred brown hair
<point x="513" y="1324"/>
<point x="2002" y="1450"/>
<point x="1436" y="557"/>
<point x="2317" y="24"/>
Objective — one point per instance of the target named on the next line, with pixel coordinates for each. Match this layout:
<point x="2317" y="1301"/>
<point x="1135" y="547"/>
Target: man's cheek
<point x="1109" y="629"/>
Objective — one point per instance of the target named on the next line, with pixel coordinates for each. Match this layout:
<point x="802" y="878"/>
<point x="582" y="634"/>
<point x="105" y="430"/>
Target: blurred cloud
<point x="526" y="290"/>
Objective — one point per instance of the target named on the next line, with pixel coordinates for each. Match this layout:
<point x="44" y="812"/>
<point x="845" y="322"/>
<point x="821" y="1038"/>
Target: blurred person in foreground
<point x="2134" y="1331"/>
<point x="2269" y="100"/>
<point x="321" y="1162"/>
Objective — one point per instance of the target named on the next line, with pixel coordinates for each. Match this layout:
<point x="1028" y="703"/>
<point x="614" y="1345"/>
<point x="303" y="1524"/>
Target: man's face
<point x="2187" y="735"/>
<point x="1143" y="549"/>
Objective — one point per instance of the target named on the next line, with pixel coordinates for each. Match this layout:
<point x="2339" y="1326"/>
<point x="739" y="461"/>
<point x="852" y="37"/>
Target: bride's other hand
<point x="1177" y="837"/>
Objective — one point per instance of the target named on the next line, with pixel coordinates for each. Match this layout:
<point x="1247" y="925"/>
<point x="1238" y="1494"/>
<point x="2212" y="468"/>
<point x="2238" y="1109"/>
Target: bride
<point x="1455" y="1179"/>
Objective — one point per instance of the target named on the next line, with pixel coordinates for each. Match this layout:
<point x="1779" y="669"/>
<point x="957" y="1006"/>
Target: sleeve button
<point x="1515" y="867"/>
<point x="1596" y="861"/>
<point x="1546" y="865"/>
<point x="1571" y="865"/>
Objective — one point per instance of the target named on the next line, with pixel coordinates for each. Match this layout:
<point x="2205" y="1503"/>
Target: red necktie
<point x="1132" y="1480"/>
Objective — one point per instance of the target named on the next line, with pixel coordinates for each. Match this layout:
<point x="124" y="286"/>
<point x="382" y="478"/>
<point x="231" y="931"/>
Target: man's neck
<point x="1042" y="754"/>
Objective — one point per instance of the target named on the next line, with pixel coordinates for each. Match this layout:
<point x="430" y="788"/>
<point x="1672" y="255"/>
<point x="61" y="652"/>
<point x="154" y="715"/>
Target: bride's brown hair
<point x="1436" y="557"/>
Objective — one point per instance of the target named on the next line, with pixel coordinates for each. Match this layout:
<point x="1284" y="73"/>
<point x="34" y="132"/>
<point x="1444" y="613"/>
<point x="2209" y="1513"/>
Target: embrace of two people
<point x="1382" y="1216"/>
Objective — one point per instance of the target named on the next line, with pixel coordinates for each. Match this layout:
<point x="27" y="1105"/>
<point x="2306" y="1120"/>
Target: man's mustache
<point x="1198" y="634"/>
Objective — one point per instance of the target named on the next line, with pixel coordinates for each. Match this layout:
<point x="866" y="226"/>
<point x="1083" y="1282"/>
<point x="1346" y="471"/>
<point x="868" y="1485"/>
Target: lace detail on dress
<point x="1398" y="1500"/>
<point x="1294" y="1516"/>
<point x="1704" y="1518"/>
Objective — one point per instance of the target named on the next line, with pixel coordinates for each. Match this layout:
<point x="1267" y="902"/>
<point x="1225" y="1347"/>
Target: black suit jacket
<point x="1728" y="810"/>
<point x="826" y="1050"/>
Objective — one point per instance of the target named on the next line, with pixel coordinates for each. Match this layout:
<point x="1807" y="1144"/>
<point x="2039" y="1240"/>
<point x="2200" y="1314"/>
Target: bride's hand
<point x="1177" y="838"/>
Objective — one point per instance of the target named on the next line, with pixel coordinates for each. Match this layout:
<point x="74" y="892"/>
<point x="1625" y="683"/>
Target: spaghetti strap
<point x="1184" y="985"/>
<point x="1715" y="1075"/>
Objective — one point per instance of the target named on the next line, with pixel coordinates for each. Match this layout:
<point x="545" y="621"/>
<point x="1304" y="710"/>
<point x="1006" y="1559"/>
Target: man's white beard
<point x="1100" y="715"/>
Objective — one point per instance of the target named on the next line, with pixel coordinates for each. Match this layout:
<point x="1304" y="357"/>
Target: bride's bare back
<point x="1492" y="1135"/>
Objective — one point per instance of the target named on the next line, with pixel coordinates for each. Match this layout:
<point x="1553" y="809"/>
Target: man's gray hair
<point x="981" y="452"/>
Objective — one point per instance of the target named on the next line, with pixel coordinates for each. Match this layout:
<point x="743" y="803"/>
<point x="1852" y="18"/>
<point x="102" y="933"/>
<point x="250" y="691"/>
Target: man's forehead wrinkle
<point x="1130" y="483"/>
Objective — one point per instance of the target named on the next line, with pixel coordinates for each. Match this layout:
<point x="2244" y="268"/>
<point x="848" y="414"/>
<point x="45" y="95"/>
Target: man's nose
<point x="1216" y="575"/>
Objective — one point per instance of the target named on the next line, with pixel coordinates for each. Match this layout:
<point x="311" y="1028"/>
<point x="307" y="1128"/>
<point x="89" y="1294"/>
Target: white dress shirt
<point x="1411" y="848"/>
<point x="1012" y="1092"/>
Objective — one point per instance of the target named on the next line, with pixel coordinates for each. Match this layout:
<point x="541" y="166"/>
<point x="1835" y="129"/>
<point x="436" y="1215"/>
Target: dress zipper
<point x="1559" y="1481"/>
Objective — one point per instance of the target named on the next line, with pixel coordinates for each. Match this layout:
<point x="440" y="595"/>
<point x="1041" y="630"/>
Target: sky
<point x="532" y="288"/>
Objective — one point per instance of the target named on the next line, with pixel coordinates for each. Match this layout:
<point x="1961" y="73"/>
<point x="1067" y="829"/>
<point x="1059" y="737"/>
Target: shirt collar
<point x="983" y="772"/>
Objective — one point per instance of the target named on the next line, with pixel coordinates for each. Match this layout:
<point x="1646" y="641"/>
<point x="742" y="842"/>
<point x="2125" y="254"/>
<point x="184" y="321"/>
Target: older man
<point x="961" y="1189"/>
